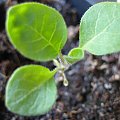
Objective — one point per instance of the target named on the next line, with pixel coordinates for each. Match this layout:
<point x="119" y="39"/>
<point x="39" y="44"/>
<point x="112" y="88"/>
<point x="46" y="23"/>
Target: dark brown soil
<point x="94" y="83"/>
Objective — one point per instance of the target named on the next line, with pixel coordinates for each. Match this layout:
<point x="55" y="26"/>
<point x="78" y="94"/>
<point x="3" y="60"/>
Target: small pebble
<point x="107" y="86"/>
<point x="2" y="77"/>
<point x="65" y="115"/>
<point x="117" y="77"/>
<point x="102" y="104"/>
<point x="101" y="114"/>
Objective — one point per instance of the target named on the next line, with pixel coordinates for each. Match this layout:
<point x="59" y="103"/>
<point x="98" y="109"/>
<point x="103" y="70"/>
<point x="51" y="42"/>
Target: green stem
<point x="61" y="58"/>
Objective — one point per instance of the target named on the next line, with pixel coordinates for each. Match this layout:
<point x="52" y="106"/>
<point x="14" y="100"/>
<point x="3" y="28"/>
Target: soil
<point x="94" y="82"/>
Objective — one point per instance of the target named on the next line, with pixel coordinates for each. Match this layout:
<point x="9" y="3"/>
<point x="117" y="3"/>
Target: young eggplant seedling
<point x="39" y="33"/>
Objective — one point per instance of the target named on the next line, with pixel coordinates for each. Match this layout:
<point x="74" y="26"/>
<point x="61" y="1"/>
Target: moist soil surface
<point x="94" y="82"/>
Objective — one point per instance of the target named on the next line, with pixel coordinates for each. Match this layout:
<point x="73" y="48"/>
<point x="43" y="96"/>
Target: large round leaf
<point x="36" y="30"/>
<point x="31" y="90"/>
<point x="100" y="29"/>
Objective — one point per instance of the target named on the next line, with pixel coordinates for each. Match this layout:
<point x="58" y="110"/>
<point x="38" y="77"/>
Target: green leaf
<point x="37" y="31"/>
<point x="100" y="29"/>
<point x="31" y="90"/>
<point x="75" y="55"/>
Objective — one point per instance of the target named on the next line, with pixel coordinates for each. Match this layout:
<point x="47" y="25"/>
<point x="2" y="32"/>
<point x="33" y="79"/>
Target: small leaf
<point x="31" y="90"/>
<point x="37" y="31"/>
<point x="100" y="29"/>
<point x="74" y="55"/>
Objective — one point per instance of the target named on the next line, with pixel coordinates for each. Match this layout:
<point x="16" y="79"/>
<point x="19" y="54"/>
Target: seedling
<point x="39" y="33"/>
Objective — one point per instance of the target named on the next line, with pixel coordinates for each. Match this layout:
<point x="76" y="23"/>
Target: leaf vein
<point x="99" y="33"/>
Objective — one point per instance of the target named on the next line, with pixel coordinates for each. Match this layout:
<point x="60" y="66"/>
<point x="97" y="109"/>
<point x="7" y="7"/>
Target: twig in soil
<point x="8" y="3"/>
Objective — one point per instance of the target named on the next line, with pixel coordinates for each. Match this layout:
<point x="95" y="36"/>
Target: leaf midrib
<point x="44" y="38"/>
<point x="84" y="46"/>
<point x="29" y="93"/>
<point x="35" y="30"/>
